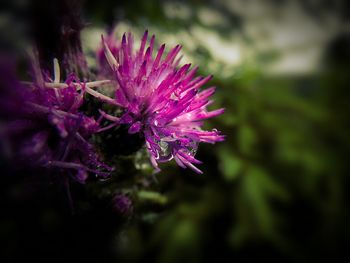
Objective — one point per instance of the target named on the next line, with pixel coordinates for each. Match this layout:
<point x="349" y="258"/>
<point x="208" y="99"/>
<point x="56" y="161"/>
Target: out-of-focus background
<point x="276" y="189"/>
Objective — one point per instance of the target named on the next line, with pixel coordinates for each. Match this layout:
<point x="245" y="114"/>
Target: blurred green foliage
<point x="277" y="186"/>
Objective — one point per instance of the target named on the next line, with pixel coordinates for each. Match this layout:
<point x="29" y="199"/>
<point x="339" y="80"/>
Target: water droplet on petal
<point x="192" y="148"/>
<point x="165" y="152"/>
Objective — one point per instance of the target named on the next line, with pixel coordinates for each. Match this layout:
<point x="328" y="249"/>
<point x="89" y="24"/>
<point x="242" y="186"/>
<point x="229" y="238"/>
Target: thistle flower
<point x="161" y="101"/>
<point x="46" y="128"/>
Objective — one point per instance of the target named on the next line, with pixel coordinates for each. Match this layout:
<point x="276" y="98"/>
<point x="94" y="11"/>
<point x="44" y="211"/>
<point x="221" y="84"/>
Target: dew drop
<point x="192" y="148"/>
<point x="165" y="152"/>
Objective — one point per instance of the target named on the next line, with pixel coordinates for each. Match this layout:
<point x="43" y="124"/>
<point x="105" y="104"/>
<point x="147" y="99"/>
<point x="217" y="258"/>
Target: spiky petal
<point x="103" y="64"/>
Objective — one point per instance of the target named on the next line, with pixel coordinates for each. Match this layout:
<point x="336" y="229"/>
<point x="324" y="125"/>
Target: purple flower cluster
<point x="161" y="100"/>
<point x="45" y="128"/>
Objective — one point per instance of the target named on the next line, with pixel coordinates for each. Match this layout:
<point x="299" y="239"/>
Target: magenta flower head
<point x="47" y="130"/>
<point x="161" y="100"/>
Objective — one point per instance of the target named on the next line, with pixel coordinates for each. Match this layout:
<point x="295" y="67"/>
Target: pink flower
<point x="161" y="100"/>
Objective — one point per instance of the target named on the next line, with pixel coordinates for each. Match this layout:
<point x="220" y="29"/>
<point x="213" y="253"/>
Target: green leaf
<point x="151" y="196"/>
<point x="230" y="165"/>
<point x="246" y="139"/>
